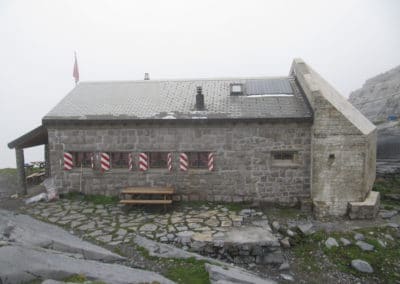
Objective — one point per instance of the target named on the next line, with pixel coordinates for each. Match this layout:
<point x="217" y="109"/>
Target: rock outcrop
<point x="379" y="101"/>
<point x="379" y="97"/>
<point x="31" y="250"/>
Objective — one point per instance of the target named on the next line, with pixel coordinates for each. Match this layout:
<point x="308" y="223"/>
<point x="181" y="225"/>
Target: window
<point x="198" y="160"/>
<point x="158" y="160"/>
<point x="82" y="159"/>
<point x="284" y="158"/>
<point x="119" y="159"/>
<point x="282" y="155"/>
<point x="236" y="89"/>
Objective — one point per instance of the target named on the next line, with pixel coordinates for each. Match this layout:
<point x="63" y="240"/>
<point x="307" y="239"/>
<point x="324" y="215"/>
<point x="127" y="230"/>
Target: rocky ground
<point x="299" y="248"/>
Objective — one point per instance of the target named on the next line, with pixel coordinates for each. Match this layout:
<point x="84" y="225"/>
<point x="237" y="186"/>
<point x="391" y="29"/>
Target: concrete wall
<point x="343" y="146"/>
<point x="243" y="162"/>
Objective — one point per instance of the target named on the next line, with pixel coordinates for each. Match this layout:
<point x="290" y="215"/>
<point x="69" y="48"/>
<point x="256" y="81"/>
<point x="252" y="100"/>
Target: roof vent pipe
<point x="199" y="99"/>
<point x="146" y="76"/>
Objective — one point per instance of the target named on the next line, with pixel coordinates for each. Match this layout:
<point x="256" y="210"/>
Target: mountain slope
<point x="379" y="97"/>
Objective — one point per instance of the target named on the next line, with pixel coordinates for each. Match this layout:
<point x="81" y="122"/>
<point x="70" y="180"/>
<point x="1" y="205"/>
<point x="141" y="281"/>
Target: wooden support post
<point x="19" y="155"/>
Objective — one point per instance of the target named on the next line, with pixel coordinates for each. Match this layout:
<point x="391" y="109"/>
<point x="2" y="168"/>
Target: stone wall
<point x="343" y="144"/>
<point x="243" y="161"/>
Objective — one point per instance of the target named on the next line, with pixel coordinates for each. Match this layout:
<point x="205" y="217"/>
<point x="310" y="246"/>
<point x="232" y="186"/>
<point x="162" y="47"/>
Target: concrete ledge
<point x="367" y="209"/>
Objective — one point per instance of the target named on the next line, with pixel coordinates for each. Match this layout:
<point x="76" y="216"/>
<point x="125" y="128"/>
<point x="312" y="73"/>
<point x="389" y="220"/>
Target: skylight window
<point x="236" y="89"/>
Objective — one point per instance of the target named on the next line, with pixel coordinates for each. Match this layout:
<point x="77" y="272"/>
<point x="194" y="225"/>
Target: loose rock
<point x="359" y="237"/>
<point x="382" y="243"/>
<point x="385" y="214"/>
<point x="345" y="242"/>
<point x="287" y="277"/>
<point x="276" y="226"/>
<point x="285" y="242"/>
<point x="305" y="229"/>
<point x="362" y="266"/>
<point x="365" y="246"/>
<point x="290" y="233"/>
<point x="331" y="242"/>
<point x="284" y="266"/>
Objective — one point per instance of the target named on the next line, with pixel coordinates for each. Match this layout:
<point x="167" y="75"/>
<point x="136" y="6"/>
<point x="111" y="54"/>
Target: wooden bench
<point x="166" y="192"/>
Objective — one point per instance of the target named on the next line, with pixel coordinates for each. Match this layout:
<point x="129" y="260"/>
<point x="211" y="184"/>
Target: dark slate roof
<point x="175" y="99"/>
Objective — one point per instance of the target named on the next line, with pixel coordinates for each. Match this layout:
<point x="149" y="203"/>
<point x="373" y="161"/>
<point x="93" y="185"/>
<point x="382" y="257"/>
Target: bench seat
<point x="135" y="192"/>
<point x="145" y="201"/>
<point x="148" y="190"/>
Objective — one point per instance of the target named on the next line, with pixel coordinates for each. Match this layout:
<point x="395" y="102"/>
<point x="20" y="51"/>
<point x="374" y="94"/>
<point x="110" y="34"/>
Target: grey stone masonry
<point x="244" y="168"/>
<point x="47" y="160"/>
<point x="343" y="144"/>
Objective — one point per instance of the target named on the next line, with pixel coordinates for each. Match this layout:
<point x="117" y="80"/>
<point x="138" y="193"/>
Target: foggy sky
<point x="345" y="41"/>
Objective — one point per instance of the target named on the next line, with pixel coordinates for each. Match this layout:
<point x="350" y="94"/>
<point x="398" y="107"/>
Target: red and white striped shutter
<point x="130" y="161"/>
<point x="68" y="164"/>
<point x="210" y="161"/>
<point x="183" y="162"/>
<point x="105" y="162"/>
<point x="143" y="162"/>
<point x="169" y="161"/>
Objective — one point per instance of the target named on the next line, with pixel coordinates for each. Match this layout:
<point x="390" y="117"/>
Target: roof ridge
<point x="187" y="79"/>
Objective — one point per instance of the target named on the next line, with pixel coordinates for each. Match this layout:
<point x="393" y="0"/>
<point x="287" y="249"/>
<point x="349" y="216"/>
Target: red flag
<point x="75" y="74"/>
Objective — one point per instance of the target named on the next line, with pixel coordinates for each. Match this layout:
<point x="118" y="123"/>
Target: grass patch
<point x="387" y="185"/>
<point x="183" y="271"/>
<point x="8" y="177"/>
<point x="76" y="278"/>
<point x="80" y="278"/>
<point x="236" y="207"/>
<point x="284" y="213"/>
<point x="96" y="199"/>
<point x="188" y="271"/>
<point x="144" y="252"/>
<point x="385" y="261"/>
<point x="306" y="250"/>
<point x="8" y="171"/>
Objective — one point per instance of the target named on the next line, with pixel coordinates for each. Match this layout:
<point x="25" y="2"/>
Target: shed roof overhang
<point x="35" y="137"/>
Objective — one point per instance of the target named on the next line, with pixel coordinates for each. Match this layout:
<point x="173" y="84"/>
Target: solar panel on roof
<point x="270" y="86"/>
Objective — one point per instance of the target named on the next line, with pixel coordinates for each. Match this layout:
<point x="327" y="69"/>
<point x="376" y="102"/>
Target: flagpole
<point x="76" y="83"/>
<point x="75" y="72"/>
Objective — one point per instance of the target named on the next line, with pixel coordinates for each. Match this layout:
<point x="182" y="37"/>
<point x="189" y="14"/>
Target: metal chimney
<point x="199" y="99"/>
<point x="146" y="76"/>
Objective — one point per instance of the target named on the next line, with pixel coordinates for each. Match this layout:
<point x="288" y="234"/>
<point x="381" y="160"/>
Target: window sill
<point x="285" y="165"/>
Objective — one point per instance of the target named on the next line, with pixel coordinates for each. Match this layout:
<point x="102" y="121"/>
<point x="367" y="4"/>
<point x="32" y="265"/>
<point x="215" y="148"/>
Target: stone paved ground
<point x="186" y="224"/>
<point x="115" y="224"/>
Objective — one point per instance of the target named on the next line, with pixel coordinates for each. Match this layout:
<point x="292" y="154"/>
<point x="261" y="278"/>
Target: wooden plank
<point x="148" y="190"/>
<point x="38" y="174"/>
<point x="145" y="201"/>
<point x="31" y="176"/>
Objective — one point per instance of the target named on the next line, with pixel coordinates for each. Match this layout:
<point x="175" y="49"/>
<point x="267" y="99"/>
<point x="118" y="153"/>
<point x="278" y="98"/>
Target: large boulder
<point x="20" y="264"/>
<point x="24" y="230"/>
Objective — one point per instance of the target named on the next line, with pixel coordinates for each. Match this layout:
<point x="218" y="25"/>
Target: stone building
<point x="286" y="140"/>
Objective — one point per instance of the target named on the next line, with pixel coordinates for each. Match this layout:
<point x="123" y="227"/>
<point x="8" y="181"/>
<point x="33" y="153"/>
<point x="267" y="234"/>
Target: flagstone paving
<point x="115" y="224"/>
